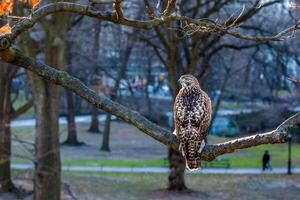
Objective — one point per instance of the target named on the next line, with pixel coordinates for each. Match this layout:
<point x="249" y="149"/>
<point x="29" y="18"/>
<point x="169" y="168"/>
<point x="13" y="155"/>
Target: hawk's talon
<point x="181" y="148"/>
<point x="201" y="146"/>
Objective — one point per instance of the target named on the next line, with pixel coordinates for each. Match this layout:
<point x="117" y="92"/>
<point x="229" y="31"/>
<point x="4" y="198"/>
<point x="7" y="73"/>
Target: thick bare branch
<point x="158" y="133"/>
<point x="279" y="135"/>
<point x="101" y="2"/>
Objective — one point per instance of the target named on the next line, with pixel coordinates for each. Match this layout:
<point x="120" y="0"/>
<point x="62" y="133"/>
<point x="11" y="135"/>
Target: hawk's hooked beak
<point x="180" y="80"/>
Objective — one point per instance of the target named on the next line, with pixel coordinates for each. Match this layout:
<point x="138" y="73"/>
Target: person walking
<point x="266" y="161"/>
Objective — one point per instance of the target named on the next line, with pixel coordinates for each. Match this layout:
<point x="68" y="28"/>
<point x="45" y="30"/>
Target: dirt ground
<point x="128" y="186"/>
<point x="25" y="187"/>
<point x="208" y="187"/>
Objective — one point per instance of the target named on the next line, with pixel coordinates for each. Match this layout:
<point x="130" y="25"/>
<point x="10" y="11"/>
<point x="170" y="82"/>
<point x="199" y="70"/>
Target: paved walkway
<point x="159" y="169"/>
<point x="62" y="120"/>
<point x="101" y="117"/>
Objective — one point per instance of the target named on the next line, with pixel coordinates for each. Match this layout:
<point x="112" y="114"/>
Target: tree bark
<point x="47" y="176"/>
<point x="105" y="141"/>
<point x="176" y="161"/>
<point x="6" y="184"/>
<point x="47" y="167"/>
<point x="94" y="128"/>
<point x="177" y="166"/>
<point x="72" y="133"/>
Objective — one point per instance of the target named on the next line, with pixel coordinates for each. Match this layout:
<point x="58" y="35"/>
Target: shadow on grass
<point x="73" y="144"/>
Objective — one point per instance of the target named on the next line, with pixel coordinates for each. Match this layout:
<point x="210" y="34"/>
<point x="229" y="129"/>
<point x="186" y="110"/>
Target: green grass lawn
<point x="252" y="157"/>
<point x="246" y="158"/>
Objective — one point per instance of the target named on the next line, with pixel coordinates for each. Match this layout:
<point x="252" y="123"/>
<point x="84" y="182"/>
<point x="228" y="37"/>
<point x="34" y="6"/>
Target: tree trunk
<point x="47" y="168"/>
<point x="94" y="128"/>
<point x="72" y="133"/>
<point x="47" y="176"/>
<point x="6" y="184"/>
<point x="176" y="161"/>
<point x="177" y="167"/>
<point x="113" y="96"/>
<point x="105" y="141"/>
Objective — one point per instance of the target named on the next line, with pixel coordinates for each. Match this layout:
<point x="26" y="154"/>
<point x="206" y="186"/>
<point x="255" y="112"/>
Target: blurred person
<point x="266" y="161"/>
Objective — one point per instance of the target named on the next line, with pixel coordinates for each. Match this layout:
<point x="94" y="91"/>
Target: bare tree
<point x="72" y="133"/>
<point x="94" y="127"/>
<point x="47" y="173"/>
<point x="47" y="176"/>
<point x="125" y="54"/>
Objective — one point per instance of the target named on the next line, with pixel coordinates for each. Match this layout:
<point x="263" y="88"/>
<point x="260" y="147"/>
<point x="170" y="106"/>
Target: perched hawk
<point x="192" y="116"/>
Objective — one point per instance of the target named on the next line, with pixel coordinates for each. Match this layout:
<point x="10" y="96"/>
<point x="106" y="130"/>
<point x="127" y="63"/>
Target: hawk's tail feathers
<point x="192" y="165"/>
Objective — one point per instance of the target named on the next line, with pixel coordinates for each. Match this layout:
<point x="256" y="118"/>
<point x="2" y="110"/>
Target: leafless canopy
<point x="12" y="55"/>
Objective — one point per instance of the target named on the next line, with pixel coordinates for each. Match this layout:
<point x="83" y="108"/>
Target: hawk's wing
<point x="192" y="116"/>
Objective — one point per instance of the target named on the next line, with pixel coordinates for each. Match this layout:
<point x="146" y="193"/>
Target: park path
<point x="159" y="169"/>
<point x="62" y="120"/>
<point x="101" y="117"/>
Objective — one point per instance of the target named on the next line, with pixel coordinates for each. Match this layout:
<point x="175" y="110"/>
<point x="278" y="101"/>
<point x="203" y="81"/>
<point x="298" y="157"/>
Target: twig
<point x="294" y="80"/>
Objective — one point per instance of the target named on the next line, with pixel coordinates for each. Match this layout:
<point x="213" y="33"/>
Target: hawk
<point x="192" y="117"/>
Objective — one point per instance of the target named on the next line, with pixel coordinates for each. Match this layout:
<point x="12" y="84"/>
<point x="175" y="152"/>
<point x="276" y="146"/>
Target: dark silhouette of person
<point x="266" y="161"/>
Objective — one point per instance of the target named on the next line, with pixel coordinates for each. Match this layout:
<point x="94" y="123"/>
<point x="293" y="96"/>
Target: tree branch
<point x="294" y="80"/>
<point x="193" y="25"/>
<point x="170" y="6"/>
<point x="118" y="15"/>
<point x="210" y="152"/>
<point x="279" y="135"/>
<point x="15" y="114"/>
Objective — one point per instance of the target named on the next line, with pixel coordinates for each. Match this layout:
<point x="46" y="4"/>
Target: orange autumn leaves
<point x="32" y="3"/>
<point x="6" y="8"/>
<point x="5" y="29"/>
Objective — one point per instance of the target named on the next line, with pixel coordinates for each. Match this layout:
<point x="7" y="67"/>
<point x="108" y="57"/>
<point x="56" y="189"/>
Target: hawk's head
<point x="188" y="80"/>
